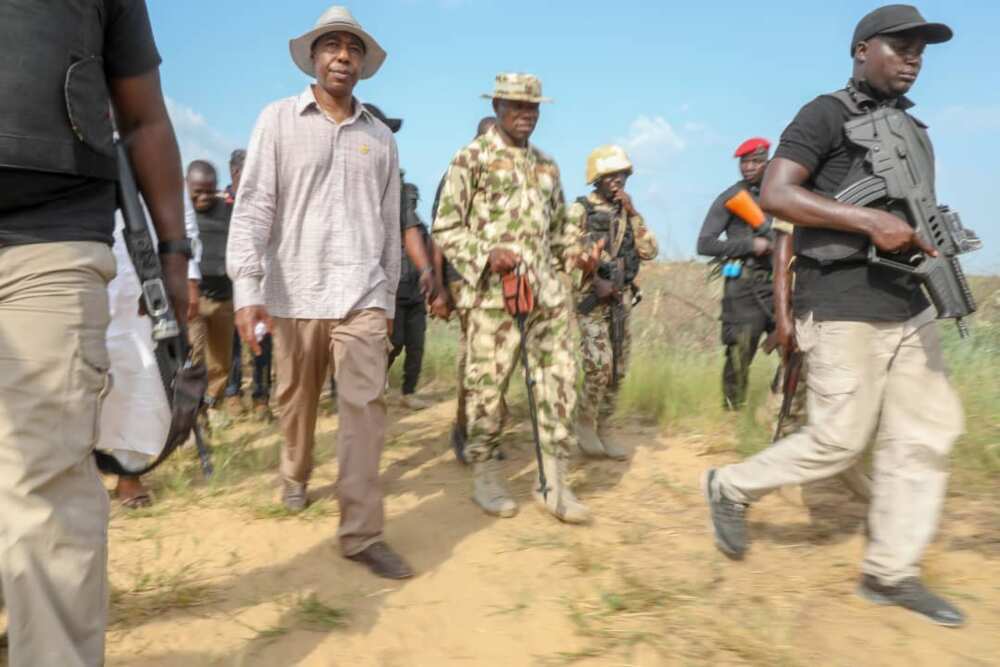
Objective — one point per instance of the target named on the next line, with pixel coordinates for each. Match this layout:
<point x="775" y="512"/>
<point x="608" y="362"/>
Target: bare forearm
<point x="784" y="196"/>
<point x="157" y="161"/>
<point x="413" y="241"/>
<point x="782" y="276"/>
<point x="438" y="262"/>
<point x="145" y="127"/>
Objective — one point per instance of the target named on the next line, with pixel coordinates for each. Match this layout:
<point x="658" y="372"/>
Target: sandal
<point x="137" y="501"/>
<point x="135" y="495"/>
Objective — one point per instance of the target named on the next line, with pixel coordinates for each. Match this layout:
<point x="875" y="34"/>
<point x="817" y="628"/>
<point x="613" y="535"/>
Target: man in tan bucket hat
<point x="502" y="210"/>
<point x="314" y="258"/>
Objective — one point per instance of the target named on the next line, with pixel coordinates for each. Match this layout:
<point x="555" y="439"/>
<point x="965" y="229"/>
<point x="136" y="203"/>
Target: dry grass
<point x="151" y="594"/>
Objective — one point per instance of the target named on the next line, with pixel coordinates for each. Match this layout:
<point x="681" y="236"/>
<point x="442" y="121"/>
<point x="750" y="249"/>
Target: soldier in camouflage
<point x="502" y="208"/>
<point x="605" y="215"/>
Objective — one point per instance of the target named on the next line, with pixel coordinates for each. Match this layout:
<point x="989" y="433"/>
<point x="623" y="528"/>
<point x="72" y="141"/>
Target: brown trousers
<point x="54" y="525"/>
<point x="358" y="347"/>
<point x="212" y="343"/>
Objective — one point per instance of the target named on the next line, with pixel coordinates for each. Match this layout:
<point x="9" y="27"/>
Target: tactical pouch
<point x="517" y="296"/>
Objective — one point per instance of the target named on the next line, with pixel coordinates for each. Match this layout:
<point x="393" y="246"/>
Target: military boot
<point x="558" y="499"/>
<point x="489" y="490"/>
<point x="611" y="448"/>
<point x="590" y="443"/>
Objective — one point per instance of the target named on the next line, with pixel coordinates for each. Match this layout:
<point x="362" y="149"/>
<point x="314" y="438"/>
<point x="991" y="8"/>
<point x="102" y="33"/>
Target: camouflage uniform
<point x="597" y="400"/>
<point x="499" y="195"/>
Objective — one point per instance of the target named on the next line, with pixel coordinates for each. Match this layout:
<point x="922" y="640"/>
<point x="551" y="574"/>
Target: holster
<point x="517" y="296"/>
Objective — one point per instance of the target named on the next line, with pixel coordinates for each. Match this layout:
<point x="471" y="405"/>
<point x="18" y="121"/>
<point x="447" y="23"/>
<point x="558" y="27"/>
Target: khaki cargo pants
<point x="882" y="378"/>
<point x="53" y="376"/>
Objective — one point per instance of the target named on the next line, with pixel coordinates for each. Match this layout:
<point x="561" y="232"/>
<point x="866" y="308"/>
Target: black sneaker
<point x="728" y="519"/>
<point x="911" y="594"/>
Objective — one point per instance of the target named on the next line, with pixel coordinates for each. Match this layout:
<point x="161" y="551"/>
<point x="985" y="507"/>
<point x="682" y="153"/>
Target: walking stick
<point x="520" y="303"/>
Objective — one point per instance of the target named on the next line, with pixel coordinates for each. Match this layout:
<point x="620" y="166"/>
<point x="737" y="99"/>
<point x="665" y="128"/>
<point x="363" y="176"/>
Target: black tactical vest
<point x="213" y="231"/>
<point x="55" y="113"/>
<point x="827" y="246"/>
<point x="599" y="225"/>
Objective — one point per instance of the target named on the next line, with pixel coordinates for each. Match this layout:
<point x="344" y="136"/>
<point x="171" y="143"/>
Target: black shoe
<point x="911" y="594"/>
<point x="728" y="519"/>
<point x="383" y="562"/>
<point x="458" y="443"/>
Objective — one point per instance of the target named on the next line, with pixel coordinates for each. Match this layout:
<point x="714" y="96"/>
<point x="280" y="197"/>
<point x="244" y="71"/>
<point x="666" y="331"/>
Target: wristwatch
<point x="178" y="247"/>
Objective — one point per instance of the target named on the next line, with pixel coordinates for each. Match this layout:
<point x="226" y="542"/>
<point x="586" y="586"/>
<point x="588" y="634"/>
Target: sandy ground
<point x="217" y="575"/>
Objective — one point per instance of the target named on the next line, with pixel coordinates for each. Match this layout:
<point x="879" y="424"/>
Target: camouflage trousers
<point x="597" y="399"/>
<point x="463" y="324"/>
<point x="492" y="354"/>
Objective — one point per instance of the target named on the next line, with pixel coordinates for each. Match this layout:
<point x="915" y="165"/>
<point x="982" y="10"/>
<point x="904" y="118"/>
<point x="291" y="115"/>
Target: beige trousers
<point x="53" y="376"/>
<point x="358" y="347"/>
<point x="212" y="343"/>
<point x="865" y="378"/>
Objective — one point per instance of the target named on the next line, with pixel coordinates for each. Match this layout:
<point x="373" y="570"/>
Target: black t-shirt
<point x="38" y="207"/>
<point x="841" y="291"/>
<point x="747" y="298"/>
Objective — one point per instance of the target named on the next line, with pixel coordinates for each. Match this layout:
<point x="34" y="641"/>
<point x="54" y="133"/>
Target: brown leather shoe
<point x="383" y="561"/>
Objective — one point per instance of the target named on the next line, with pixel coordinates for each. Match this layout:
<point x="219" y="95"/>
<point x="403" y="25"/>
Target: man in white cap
<point x="314" y="257"/>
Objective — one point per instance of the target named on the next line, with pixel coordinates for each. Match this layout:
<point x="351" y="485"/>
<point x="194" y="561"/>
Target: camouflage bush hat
<point x="336" y="19"/>
<point x="519" y="87"/>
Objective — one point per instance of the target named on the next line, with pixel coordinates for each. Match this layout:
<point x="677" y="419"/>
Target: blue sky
<point x="679" y="84"/>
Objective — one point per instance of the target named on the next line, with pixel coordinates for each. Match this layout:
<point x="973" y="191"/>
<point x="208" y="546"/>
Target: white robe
<point x="135" y="417"/>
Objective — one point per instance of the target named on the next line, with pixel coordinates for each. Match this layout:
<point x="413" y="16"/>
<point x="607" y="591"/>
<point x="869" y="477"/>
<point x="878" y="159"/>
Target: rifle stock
<point x="184" y="382"/>
<point x="790" y="384"/>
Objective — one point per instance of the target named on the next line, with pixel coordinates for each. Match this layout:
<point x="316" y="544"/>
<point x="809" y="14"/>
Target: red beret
<point x="751" y="145"/>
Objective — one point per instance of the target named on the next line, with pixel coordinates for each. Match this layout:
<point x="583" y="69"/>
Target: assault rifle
<point x="614" y="272"/>
<point x="902" y="167"/>
<point x="184" y="382"/>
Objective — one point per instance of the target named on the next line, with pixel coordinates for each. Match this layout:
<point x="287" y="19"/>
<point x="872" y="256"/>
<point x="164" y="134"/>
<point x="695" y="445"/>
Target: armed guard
<point x="743" y="261"/>
<point x="62" y="66"/>
<point x="867" y="330"/>
<point x="604" y="299"/>
<point x="502" y="212"/>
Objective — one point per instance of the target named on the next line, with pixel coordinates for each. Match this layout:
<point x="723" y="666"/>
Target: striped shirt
<point x="315" y="232"/>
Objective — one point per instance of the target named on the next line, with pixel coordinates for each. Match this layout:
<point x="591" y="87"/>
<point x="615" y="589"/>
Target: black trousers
<point x="741" y="340"/>
<point x="408" y="332"/>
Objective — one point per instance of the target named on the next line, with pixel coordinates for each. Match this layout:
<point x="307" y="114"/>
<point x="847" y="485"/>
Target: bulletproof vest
<point x="55" y="113"/>
<point x="599" y="225"/>
<point x="213" y="230"/>
<point x="827" y="246"/>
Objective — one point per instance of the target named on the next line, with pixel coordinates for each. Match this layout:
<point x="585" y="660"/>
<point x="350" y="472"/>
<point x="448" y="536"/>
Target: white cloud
<point x="967" y="119"/>
<point x="198" y="140"/>
<point x="651" y="139"/>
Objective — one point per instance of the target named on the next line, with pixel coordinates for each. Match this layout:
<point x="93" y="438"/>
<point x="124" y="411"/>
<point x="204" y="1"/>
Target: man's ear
<point x="496" y="108"/>
<point x="861" y="52"/>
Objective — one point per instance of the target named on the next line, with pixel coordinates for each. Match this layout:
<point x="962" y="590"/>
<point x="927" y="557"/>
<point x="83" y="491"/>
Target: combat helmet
<point x="605" y="160"/>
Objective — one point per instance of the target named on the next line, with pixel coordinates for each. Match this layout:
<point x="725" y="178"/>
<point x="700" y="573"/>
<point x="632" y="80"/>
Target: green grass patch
<point x="314" y="614"/>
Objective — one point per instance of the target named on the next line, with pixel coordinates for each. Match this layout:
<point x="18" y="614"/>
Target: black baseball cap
<point x="393" y="123"/>
<point x="897" y="18"/>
